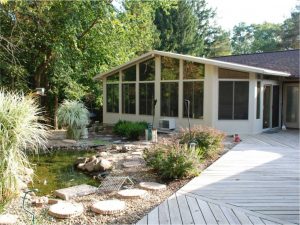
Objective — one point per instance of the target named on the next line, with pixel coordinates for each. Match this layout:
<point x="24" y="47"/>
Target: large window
<point x="147" y="70"/>
<point x="146" y="91"/>
<point x="193" y="91"/>
<point x="169" y="99"/>
<point x="112" y="98"/>
<point x="192" y="70"/>
<point x="128" y="98"/>
<point x="169" y="68"/>
<point x="129" y="74"/>
<point x="233" y="100"/>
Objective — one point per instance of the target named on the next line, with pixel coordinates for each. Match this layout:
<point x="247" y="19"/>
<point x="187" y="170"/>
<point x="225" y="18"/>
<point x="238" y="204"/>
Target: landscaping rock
<point x="40" y="201"/>
<point x="80" y="160"/>
<point x="63" y="210"/>
<point x="132" y="193"/>
<point x="53" y="201"/>
<point x="137" y="153"/>
<point x="133" y="163"/>
<point x="108" y="207"/>
<point x="103" y="154"/>
<point x="125" y="149"/>
<point x="90" y="165"/>
<point x="152" y="186"/>
<point x="75" y="191"/>
<point x="105" y="165"/>
<point x="7" y="219"/>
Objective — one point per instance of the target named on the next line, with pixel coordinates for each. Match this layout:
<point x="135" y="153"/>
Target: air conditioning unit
<point x="167" y="124"/>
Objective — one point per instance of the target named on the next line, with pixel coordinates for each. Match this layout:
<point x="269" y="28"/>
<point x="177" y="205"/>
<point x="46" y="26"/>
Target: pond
<point x="55" y="170"/>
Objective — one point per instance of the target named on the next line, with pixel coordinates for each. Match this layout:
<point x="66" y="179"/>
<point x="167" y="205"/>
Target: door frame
<point x="271" y="85"/>
<point x="287" y="124"/>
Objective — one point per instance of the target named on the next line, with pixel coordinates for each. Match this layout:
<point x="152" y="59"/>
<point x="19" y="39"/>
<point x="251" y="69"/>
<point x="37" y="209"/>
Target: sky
<point x="231" y="12"/>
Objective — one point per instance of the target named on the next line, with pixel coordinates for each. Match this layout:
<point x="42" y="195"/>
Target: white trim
<point x="214" y="62"/>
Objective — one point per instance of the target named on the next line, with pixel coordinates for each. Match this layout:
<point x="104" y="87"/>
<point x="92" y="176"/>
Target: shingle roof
<point x="286" y="61"/>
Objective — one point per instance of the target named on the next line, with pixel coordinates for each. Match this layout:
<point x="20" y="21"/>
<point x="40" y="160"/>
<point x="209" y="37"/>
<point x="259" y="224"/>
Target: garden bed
<point x="135" y="208"/>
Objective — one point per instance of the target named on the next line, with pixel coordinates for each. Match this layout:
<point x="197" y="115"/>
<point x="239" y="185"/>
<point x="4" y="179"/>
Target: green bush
<point x="130" y="130"/>
<point x="73" y="115"/>
<point x="209" y="141"/>
<point x="173" y="161"/>
<point x="20" y="131"/>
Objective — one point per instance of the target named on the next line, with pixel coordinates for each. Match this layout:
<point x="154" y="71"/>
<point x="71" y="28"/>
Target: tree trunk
<point x="42" y="69"/>
<point x="55" y="112"/>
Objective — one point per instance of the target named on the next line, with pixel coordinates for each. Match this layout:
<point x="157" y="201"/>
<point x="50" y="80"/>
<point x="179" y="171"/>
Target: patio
<point x="257" y="182"/>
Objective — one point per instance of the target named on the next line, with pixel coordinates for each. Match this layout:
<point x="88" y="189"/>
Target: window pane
<point x="129" y="74"/>
<point x="146" y="98"/>
<point x="258" y="100"/>
<point x="225" y="100"/>
<point x="169" y="99"/>
<point x="232" y="74"/>
<point x="193" y="91"/>
<point x="112" y="98"/>
<point x="169" y="68"/>
<point x="147" y="70"/>
<point x="113" y="78"/>
<point x="192" y="70"/>
<point x="241" y="98"/>
<point x="128" y="98"/>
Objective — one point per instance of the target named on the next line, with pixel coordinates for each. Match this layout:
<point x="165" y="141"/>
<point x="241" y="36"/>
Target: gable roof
<point x="287" y="61"/>
<point x="215" y="62"/>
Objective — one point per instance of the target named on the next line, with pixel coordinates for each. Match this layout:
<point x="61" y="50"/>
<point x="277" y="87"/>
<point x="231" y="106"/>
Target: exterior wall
<point x="210" y="104"/>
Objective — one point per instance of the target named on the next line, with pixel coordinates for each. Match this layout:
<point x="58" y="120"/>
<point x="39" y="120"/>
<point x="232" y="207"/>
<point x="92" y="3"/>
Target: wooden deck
<point x="257" y="182"/>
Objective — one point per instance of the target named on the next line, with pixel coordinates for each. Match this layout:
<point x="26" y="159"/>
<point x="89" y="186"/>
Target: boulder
<point x="80" y="160"/>
<point x="103" y="165"/>
<point x="81" y="166"/>
<point x="103" y="154"/>
<point x="90" y="166"/>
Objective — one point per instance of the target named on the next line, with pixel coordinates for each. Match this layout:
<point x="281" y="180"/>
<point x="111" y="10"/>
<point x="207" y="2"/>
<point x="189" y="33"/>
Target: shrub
<point x="19" y="131"/>
<point x="73" y="115"/>
<point x="173" y="161"/>
<point x="209" y="141"/>
<point x="130" y="130"/>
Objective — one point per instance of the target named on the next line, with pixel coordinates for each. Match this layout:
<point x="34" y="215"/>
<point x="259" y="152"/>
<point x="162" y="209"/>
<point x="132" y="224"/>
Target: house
<point x="282" y="61"/>
<point x="233" y="97"/>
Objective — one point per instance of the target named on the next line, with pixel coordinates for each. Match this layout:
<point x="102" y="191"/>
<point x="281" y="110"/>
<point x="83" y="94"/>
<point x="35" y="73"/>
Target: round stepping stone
<point x="108" y="207"/>
<point x="152" y="186"/>
<point x="133" y="163"/>
<point x="64" y="210"/>
<point x="132" y="193"/>
<point x="7" y="219"/>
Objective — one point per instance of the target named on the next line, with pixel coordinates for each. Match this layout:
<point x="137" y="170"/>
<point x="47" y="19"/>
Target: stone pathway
<point x="108" y="207"/>
<point x="75" y="191"/>
<point x="63" y="210"/>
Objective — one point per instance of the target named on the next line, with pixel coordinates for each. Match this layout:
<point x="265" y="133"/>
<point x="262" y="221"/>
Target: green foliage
<point x="130" y="130"/>
<point x="209" y="141"/>
<point x="290" y="30"/>
<point x="173" y="161"/>
<point x="19" y="131"/>
<point x="73" y="115"/>
<point x="183" y="29"/>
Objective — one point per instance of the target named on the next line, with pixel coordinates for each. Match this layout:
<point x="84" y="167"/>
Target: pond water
<point x="55" y="170"/>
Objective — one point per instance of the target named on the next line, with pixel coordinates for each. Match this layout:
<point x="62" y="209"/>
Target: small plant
<point x="130" y="130"/>
<point x="20" y="131"/>
<point x="73" y="115"/>
<point x="173" y="161"/>
<point x="209" y="141"/>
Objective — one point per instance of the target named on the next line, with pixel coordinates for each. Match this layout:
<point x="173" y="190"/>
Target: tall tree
<point x="290" y="30"/>
<point x="242" y="38"/>
<point x="184" y="28"/>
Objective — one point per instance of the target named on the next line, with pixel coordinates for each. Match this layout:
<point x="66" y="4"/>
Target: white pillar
<point x="180" y="90"/>
<point x="157" y="89"/>
<point x="137" y="96"/>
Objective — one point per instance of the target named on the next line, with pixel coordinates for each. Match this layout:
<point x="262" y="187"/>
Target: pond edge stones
<point x="108" y="206"/>
<point x="153" y="186"/>
<point x="63" y="210"/>
<point x="132" y="193"/>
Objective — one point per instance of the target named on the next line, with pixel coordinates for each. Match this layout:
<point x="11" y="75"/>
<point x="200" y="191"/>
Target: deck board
<point x="257" y="182"/>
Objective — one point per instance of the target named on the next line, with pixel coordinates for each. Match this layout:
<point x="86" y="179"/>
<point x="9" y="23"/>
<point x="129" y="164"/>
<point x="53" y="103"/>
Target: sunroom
<point x="231" y="97"/>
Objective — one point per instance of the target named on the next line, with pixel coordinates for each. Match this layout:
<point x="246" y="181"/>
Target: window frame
<point x="233" y="96"/>
<point x="117" y="82"/>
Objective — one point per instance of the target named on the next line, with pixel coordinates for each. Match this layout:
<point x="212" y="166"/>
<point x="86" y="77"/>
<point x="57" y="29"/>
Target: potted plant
<point x="75" y="117"/>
